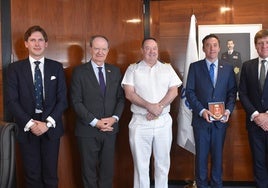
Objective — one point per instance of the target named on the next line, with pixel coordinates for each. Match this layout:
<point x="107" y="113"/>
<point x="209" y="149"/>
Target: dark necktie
<point x="38" y="86"/>
<point x="101" y="81"/>
<point x="262" y="74"/>
<point x="211" y="72"/>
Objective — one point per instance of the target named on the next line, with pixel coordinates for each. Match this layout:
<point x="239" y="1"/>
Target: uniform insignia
<point x="236" y="70"/>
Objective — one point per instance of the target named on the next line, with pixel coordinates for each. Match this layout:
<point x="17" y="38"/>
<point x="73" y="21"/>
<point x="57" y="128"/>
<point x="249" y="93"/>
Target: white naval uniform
<point x="145" y="137"/>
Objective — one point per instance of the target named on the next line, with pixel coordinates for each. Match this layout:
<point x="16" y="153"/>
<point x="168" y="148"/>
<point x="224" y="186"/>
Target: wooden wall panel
<point x="70" y="24"/>
<point x="170" y="21"/>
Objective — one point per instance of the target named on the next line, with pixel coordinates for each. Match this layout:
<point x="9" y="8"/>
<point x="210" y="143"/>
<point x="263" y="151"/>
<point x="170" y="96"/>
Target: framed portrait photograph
<point x="236" y="43"/>
<point x="241" y="35"/>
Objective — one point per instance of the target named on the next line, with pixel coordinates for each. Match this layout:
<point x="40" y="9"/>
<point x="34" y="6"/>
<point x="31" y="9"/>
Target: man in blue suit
<point x="40" y="122"/>
<point x="253" y="93"/>
<point x="210" y="86"/>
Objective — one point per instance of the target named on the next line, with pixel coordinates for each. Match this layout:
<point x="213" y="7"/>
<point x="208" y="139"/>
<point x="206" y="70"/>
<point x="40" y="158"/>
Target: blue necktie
<point x="211" y="72"/>
<point x="38" y="86"/>
<point x="101" y="81"/>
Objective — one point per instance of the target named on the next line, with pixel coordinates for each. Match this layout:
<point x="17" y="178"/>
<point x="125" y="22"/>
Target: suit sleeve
<point x="120" y="98"/>
<point x="243" y="91"/>
<point x="77" y="96"/>
<point x="231" y="91"/>
<point x="13" y="93"/>
<point x="195" y="104"/>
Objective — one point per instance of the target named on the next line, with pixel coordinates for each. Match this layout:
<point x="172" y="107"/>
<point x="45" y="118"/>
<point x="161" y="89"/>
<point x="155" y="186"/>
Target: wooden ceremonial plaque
<point x="217" y="109"/>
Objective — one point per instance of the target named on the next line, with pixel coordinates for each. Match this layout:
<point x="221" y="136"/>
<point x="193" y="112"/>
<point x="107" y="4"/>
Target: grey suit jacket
<point x="88" y="101"/>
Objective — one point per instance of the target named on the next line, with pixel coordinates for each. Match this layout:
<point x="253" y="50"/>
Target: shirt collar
<point x="209" y="63"/>
<point x="95" y="66"/>
<point x="143" y="63"/>
<point x="260" y="59"/>
<point x="32" y="60"/>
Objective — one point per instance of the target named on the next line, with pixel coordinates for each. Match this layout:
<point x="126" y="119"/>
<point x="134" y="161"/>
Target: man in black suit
<point x="40" y="122"/>
<point x="233" y="57"/>
<point x="253" y="93"/>
<point x="98" y="100"/>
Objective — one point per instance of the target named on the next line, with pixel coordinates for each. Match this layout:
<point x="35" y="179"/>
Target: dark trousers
<point x="97" y="160"/>
<point x="209" y="140"/>
<point x="40" y="161"/>
<point x="258" y="140"/>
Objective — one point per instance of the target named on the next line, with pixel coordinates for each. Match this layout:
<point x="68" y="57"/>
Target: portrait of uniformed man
<point x="234" y="58"/>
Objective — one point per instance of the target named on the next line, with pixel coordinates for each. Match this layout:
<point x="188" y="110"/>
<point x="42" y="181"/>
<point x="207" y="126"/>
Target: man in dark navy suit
<point x="39" y="121"/>
<point x="253" y="93"/>
<point x="210" y="81"/>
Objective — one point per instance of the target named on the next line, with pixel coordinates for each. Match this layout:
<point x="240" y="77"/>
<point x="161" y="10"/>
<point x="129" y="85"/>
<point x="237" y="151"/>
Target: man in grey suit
<point x="98" y="100"/>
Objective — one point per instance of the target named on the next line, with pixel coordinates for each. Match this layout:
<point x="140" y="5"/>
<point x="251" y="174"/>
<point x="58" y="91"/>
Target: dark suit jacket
<point x="200" y="90"/>
<point x="88" y="101"/>
<point x="251" y="96"/>
<point x="21" y="98"/>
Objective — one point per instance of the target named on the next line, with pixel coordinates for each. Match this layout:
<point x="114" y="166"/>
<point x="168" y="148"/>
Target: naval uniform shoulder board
<point x="158" y="60"/>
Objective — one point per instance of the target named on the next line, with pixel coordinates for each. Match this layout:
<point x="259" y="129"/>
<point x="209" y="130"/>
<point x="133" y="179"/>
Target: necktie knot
<point x="263" y="61"/>
<point x="37" y="63"/>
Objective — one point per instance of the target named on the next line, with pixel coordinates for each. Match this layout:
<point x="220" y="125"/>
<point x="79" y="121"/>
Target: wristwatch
<point x="49" y="124"/>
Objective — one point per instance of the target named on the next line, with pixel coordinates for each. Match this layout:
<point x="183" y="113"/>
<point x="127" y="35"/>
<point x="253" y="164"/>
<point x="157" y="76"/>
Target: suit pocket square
<point x="52" y="77"/>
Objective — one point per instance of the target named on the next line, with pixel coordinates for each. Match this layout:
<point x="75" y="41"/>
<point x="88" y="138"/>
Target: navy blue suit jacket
<point x="200" y="90"/>
<point x="251" y="96"/>
<point x="21" y="98"/>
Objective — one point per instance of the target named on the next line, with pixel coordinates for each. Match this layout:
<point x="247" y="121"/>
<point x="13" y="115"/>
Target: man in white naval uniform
<point x="150" y="86"/>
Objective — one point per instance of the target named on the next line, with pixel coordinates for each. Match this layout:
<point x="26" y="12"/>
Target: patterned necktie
<point x="38" y="86"/>
<point x="101" y="81"/>
<point x="262" y="74"/>
<point x="211" y="72"/>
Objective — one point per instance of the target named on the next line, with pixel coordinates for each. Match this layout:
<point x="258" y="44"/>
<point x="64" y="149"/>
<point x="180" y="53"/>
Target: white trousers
<point x="146" y="137"/>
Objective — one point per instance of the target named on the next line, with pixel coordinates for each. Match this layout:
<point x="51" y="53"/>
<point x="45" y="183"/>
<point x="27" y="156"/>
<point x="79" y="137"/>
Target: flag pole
<point x="185" y="137"/>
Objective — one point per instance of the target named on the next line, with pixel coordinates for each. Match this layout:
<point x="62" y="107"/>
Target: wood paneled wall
<point x="70" y="23"/>
<point x="170" y="21"/>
